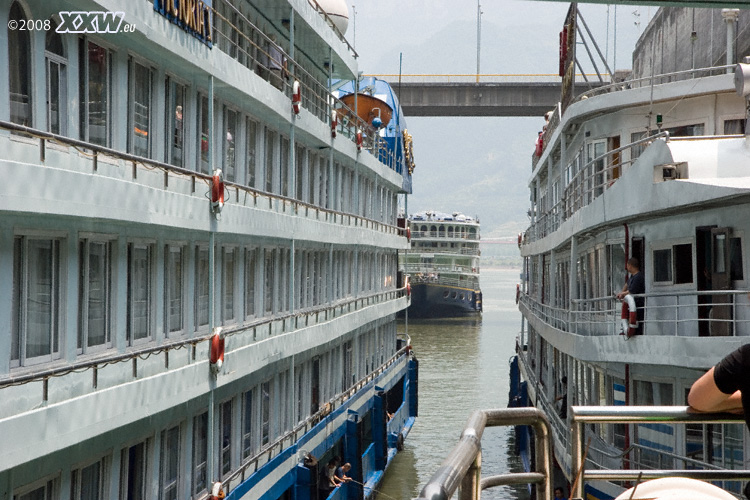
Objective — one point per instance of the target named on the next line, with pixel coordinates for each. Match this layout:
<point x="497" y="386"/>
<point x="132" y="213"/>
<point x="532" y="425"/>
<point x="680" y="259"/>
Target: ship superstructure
<point x="653" y="167"/>
<point x="198" y="246"/>
<point x="443" y="264"/>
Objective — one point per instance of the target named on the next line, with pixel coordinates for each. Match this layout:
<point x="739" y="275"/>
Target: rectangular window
<point x="735" y="259"/>
<point x="248" y="442"/>
<point x="734" y="127"/>
<point x="175" y="122"/>
<point x="250" y="263"/>
<point x="637" y="150"/>
<point x="663" y="265"/>
<point x="57" y="92"/>
<point x="270" y="157"/>
<point x="269" y="272"/>
<point x="203" y="138"/>
<point x="134" y="472"/>
<point x="95" y="88"/>
<point x="90" y="482"/>
<point x="284" y="167"/>
<point x="201" y="287"/>
<point x="173" y="288"/>
<point x="683" y="263"/>
<point x="169" y="468"/>
<point x="299" y="160"/>
<point x="139" y="115"/>
<point x="230" y="140"/>
<point x="36" y="300"/>
<point x="225" y="433"/>
<point x="48" y="490"/>
<point x="140" y="292"/>
<point x="251" y="131"/>
<point x="200" y="453"/>
<point x="95" y="294"/>
<point x="228" y="285"/>
<point x="265" y="413"/>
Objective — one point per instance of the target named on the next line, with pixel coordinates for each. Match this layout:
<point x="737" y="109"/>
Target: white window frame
<point x="149" y="245"/>
<point x="20" y="330"/>
<point x="196" y="287"/>
<point x="166" y="485"/>
<point x="669" y="245"/>
<point x="233" y="251"/>
<point x="85" y="133"/>
<point x="199" y="468"/>
<point x="104" y="478"/>
<point x="51" y="484"/>
<point x="169" y="276"/>
<point x="132" y="62"/>
<point x="84" y="240"/>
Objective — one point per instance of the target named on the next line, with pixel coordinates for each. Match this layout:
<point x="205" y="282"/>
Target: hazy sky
<point x="480" y="166"/>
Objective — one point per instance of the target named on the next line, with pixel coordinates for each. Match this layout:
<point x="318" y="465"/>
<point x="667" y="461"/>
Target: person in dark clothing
<point x="636" y="285"/>
<point x="725" y="388"/>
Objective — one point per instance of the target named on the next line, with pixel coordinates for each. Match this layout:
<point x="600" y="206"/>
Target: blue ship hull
<point x="437" y="300"/>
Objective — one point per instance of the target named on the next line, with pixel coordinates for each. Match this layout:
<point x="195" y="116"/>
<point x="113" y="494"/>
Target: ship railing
<point x="439" y="280"/>
<point x="677" y="313"/>
<point x="605" y="454"/>
<point x="268" y="452"/>
<point x="647" y="81"/>
<point x="587" y="182"/>
<point x="461" y="471"/>
<point x="239" y="38"/>
<point x="444" y="235"/>
<point x="663" y="415"/>
<point x="259" y="328"/>
<point x="245" y="195"/>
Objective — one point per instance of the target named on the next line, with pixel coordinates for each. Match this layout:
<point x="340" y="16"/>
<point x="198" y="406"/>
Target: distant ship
<point x="443" y="265"/>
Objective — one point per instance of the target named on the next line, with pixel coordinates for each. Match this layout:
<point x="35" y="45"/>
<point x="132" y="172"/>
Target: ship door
<point x="613" y="143"/>
<point x="720" y="315"/>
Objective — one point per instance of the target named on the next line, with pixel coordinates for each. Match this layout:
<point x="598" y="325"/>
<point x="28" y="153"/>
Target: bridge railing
<point x="476" y="78"/>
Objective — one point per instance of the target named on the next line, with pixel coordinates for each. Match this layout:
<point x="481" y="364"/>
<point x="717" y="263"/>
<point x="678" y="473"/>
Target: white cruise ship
<point x="198" y="252"/>
<point x="652" y="167"/>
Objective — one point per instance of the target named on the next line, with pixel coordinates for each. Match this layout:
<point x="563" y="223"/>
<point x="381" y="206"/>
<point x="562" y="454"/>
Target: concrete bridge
<point x="479" y="95"/>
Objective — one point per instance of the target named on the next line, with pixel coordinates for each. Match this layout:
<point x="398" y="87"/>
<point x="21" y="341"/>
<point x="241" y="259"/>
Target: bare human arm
<point x="705" y="396"/>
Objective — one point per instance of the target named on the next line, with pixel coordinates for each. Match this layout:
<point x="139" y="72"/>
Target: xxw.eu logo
<point x="93" y="22"/>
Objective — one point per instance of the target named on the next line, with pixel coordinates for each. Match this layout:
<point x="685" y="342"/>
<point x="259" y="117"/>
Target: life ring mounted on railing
<point x="216" y="356"/>
<point x="296" y="96"/>
<point x="334" y="122"/>
<point x="629" y="316"/>
<point x="217" y="191"/>
<point x="359" y="139"/>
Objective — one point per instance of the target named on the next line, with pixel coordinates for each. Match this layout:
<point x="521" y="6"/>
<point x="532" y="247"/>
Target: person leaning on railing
<point x="725" y="388"/>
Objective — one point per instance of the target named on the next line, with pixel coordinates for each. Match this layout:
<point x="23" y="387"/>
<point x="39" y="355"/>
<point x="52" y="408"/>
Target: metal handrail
<point x="462" y="468"/>
<point x="168" y="168"/>
<point x="277" y="446"/>
<point x="134" y="354"/>
<point x="581" y="415"/>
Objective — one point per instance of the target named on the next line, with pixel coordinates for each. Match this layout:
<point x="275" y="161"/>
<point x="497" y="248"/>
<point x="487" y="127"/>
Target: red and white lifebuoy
<point x="408" y="289"/>
<point x="518" y="292"/>
<point x="217" y="191"/>
<point x="216" y="357"/>
<point x="334" y="122"/>
<point x="408" y="234"/>
<point x="296" y="96"/>
<point x="359" y="140"/>
<point x="217" y="491"/>
<point x="629" y="316"/>
<point x="520" y="239"/>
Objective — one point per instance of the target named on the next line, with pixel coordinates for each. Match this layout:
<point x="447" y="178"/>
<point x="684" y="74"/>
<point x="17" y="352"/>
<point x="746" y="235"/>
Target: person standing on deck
<point x="636" y="285"/>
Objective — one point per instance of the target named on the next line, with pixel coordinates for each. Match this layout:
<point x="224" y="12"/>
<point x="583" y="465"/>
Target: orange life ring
<point x="408" y="234"/>
<point x="296" y="96"/>
<point x="628" y="316"/>
<point x="217" y="191"/>
<point x="216" y="356"/>
<point x="408" y="289"/>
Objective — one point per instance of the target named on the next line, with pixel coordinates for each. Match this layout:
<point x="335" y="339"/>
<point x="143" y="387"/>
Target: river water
<point x="463" y="366"/>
